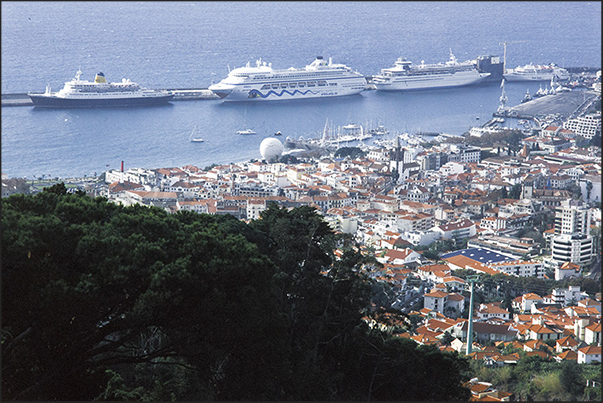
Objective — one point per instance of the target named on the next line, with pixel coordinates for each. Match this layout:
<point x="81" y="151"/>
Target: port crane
<point x="505" y="53"/>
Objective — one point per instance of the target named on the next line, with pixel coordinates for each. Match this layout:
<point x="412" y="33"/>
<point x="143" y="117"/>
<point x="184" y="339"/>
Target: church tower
<point x="399" y="158"/>
<point x="527" y="189"/>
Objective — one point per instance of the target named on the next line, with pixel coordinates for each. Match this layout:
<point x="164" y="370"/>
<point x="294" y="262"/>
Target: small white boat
<point x="278" y="133"/>
<point x="246" y="131"/>
<point x="195" y="139"/>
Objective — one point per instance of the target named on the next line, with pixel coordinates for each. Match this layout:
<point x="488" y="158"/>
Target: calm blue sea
<point x="192" y="44"/>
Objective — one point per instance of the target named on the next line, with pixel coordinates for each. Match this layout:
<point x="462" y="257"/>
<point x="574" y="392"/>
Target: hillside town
<point x="427" y="213"/>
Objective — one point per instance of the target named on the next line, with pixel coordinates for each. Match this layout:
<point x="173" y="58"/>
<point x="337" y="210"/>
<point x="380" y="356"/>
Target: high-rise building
<point x="572" y="218"/>
<point x="576" y="248"/>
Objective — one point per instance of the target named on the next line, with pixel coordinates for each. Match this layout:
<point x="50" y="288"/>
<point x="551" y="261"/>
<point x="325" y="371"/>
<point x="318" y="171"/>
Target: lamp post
<point x="472" y="280"/>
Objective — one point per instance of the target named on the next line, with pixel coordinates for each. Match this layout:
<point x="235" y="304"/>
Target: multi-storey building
<point x="457" y="230"/>
<point x="520" y="268"/>
<point x="576" y="248"/>
<point x="560" y="181"/>
<point x="569" y="295"/>
<point x="586" y="126"/>
<point x="572" y="218"/>
<point x="464" y="153"/>
<point x="431" y="160"/>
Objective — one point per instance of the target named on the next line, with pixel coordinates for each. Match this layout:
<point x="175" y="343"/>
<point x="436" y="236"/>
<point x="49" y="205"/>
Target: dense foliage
<point x="101" y="301"/>
<point x="495" y="287"/>
<point x="352" y="152"/>
<point x="505" y="139"/>
<point x="537" y="379"/>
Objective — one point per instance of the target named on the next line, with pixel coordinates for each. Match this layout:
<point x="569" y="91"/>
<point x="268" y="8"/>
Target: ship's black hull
<point x="55" y="102"/>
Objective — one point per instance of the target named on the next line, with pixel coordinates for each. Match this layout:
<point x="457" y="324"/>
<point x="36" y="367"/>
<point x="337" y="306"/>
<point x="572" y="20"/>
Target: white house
<point x="592" y="334"/>
<point x="461" y="229"/>
<point x="492" y="310"/>
<point x="399" y="257"/>
<point x="569" y="295"/>
<point x="589" y="354"/>
<point x="435" y="300"/>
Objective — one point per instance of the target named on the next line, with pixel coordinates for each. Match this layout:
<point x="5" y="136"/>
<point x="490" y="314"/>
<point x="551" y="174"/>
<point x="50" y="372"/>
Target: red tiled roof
<point x="590" y="350"/>
<point x="568" y="355"/>
<point x="436" y="294"/>
<point x="538" y="353"/>
<point x="567" y="341"/>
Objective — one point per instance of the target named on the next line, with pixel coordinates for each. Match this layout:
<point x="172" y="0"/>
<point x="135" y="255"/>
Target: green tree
<point x="571" y="379"/>
<point x="101" y="301"/>
<point x="447" y="338"/>
<point x="515" y="191"/>
<point x="352" y="152"/>
<point x="85" y="282"/>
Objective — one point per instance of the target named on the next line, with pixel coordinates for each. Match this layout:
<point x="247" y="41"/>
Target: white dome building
<point x="271" y="149"/>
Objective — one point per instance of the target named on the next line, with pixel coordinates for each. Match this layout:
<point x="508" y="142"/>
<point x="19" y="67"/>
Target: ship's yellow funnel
<point x="100" y="78"/>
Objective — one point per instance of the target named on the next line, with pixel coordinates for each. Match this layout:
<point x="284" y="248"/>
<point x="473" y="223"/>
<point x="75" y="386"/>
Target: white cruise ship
<point x="79" y="93"/>
<point x="318" y="80"/>
<point x="406" y="76"/>
<point x="531" y="72"/>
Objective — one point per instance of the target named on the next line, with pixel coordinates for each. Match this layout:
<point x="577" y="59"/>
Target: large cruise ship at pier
<point x="79" y="93"/>
<point x="261" y="82"/>
<point x="406" y="76"/>
<point x="531" y="72"/>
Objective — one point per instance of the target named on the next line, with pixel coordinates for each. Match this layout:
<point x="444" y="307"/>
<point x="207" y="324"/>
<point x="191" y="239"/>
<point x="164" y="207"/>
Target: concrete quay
<point x="16" y="100"/>
<point x="563" y="103"/>
<point x="192" y="94"/>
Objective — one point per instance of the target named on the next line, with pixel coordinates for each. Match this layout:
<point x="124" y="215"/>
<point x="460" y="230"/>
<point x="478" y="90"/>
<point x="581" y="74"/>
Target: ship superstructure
<point x="261" y="82"/>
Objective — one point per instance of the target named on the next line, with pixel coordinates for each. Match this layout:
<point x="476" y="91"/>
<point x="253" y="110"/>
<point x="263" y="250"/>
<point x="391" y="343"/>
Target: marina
<point x="181" y="54"/>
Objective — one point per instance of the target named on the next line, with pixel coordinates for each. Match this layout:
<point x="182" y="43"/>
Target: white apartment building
<point x="586" y="126"/>
<point x="421" y="237"/>
<point x="520" y="268"/>
<point x="464" y="153"/>
<point x="342" y="223"/>
<point x="572" y="218"/>
<point x="198" y="206"/>
<point x="460" y="229"/>
<point x="575" y="248"/>
<point x="413" y="222"/>
<point x="254" y="208"/>
<point x="451" y="168"/>
<point x="569" y="295"/>
<point x="134" y="175"/>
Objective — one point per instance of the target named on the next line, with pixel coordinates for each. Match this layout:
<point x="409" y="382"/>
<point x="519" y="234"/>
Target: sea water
<point x="194" y="44"/>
